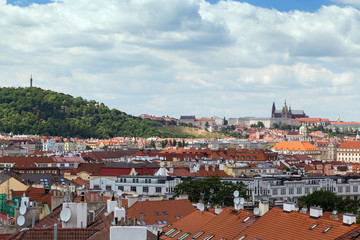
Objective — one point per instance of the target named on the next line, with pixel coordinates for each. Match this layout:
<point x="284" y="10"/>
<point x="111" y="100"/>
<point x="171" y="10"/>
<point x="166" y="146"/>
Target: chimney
<point x="334" y="215"/>
<point x="206" y="167"/>
<point x="316" y="212"/>
<point x="218" y="210"/>
<point x="263" y="207"/>
<point x="349" y="219"/>
<point x="288" y="207"/>
<point x="221" y="166"/>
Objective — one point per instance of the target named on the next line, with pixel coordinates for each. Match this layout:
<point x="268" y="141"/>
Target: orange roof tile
<point x="277" y="224"/>
<point x="165" y="210"/>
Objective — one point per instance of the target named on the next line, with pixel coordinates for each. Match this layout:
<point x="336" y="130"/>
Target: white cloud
<point x="185" y="56"/>
<point x="350" y="2"/>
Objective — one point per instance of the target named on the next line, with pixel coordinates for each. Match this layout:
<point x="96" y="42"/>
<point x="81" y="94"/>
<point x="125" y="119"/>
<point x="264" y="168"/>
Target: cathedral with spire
<point x="286" y="112"/>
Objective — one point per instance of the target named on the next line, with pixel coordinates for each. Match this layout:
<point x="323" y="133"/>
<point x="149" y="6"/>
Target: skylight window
<point x="198" y="235"/>
<point x="165" y="213"/>
<point x="327" y="229"/>
<point x="170" y="231"/>
<point x="159" y="222"/>
<point x="175" y="234"/>
<point x="157" y="213"/>
<point x="246" y="219"/>
<point x="209" y="237"/>
<point x="183" y="236"/>
<point x="164" y="222"/>
<point x="242" y="237"/>
<point x="314" y="226"/>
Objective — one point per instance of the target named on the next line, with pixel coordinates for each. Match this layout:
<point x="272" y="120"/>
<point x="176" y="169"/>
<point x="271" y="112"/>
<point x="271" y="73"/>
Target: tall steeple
<point x="31" y="80"/>
<point x="273" y="110"/>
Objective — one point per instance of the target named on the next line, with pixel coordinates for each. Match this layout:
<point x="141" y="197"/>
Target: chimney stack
<point x="349" y="219"/>
<point x="289" y="206"/>
<point x="316" y="212"/>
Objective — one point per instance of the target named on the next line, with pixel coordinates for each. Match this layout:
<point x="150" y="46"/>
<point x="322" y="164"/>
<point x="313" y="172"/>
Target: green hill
<point x="48" y="113"/>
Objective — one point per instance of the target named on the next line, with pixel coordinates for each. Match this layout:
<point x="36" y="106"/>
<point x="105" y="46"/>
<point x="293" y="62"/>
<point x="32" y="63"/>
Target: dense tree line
<point x="328" y="201"/>
<point x="44" y="112"/>
<point x="211" y="190"/>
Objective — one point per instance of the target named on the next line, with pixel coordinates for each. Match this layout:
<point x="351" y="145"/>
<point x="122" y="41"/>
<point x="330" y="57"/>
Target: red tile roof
<point x="165" y="210"/>
<point x="277" y="224"/>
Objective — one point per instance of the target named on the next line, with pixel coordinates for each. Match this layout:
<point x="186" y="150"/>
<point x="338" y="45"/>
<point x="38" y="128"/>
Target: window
<point x="198" y="235"/>
<point x="275" y="191"/>
<point x="307" y="190"/>
<point x="299" y="191"/>
<point x="146" y="189"/>
<point x="121" y="188"/>
<point x="175" y="234"/>
<point x="246" y="219"/>
<point x="283" y="191"/>
<point x="165" y="213"/>
<point x="242" y="237"/>
<point x="133" y="188"/>
<point x="158" y="189"/>
<point x="347" y="189"/>
<point x="291" y="190"/>
<point x="355" y="188"/>
<point x="184" y="236"/>
<point x="170" y="231"/>
<point x="326" y="230"/>
<point x="209" y="237"/>
<point x="314" y="226"/>
<point x="96" y="187"/>
<point x="340" y="189"/>
<point x="108" y="188"/>
<point x="157" y="213"/>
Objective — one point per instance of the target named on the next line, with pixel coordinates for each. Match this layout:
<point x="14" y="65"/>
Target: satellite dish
<point x="202" y="207"/>
<point x="256" y="211"/>
<point x="242" y="200"/>
<point x="22" y="209"/>
<point x="20" y="220"/>
<point x="65" y="214"/>
<point x="236" y="200"/>
<point x="236" y="193"/>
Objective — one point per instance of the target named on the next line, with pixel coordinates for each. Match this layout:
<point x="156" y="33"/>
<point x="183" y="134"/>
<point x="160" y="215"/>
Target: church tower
<point x="273" y="110"/>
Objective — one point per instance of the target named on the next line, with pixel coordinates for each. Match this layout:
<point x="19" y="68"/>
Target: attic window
<point x="157" y="213"/>
<point x="198" y="235"/>
<point x="170" y="231"/>
<point x="327" y="229"/>
<point x="209" y="237"/>
<point x="246" y="219"/>
<point x="312" y="228"/>
<point x="165" y="213"/>
<point x="183" y="236"/>
<point x="242" y="237"/>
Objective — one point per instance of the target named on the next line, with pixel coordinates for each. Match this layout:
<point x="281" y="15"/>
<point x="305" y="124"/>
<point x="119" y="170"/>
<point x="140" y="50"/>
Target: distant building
<point x="187" y="119"/>
<point x="286" y="112"/>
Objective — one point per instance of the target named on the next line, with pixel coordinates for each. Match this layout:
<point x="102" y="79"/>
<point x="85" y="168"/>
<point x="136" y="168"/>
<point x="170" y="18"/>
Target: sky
<point x="189" y="57"/>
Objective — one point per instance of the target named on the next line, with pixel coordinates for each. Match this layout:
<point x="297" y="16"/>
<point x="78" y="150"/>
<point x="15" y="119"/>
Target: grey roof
<point x="131" y="165"/>
<point x="187" y="117"/>
<point x="297" y="112"/>
<point x="4" y="177"/>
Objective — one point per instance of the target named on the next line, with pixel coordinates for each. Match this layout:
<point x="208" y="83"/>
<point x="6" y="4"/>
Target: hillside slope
<point x="44" y="112"/>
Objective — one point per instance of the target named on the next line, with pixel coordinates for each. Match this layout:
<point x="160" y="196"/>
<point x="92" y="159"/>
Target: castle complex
<point x="286" y="112"/>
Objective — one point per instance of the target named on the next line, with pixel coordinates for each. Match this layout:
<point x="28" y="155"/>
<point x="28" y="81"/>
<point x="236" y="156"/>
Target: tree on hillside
<point x="210" y="190"/>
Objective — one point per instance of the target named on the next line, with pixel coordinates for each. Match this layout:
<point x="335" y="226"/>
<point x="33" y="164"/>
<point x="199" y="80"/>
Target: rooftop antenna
<point x="31" y="80"/>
